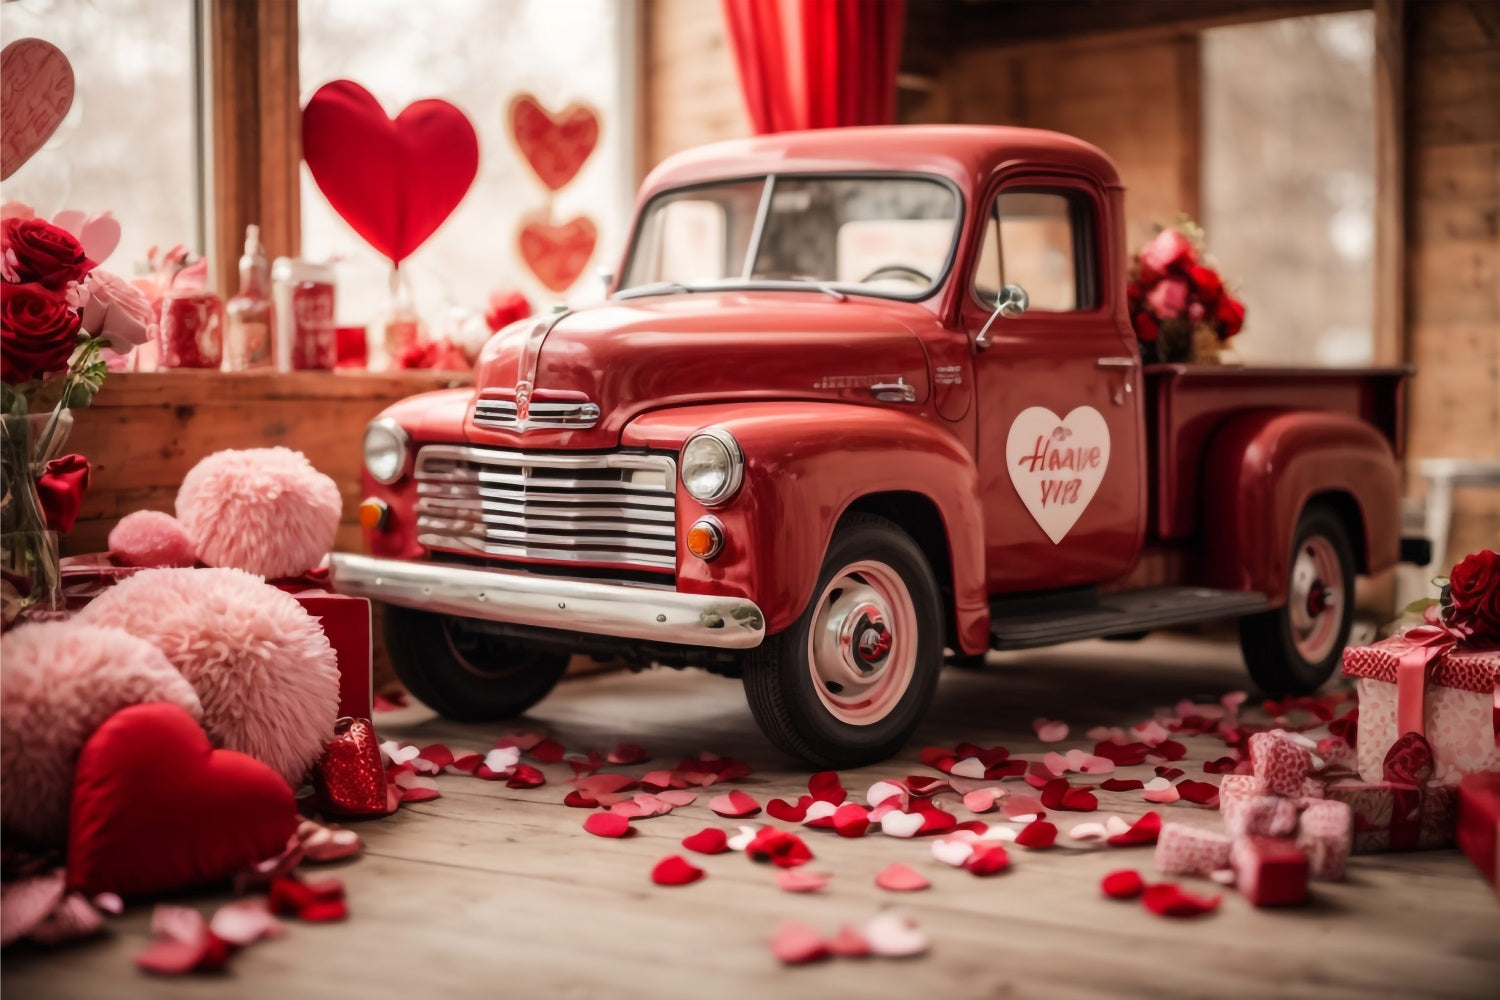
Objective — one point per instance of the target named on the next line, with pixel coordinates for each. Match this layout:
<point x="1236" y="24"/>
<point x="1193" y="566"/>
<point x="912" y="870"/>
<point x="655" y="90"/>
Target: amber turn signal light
<point x="373" y="515"/>
<point x="705" y="538"/>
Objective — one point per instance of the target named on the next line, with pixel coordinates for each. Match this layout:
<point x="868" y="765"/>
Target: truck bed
<point x="1187" y="404"/>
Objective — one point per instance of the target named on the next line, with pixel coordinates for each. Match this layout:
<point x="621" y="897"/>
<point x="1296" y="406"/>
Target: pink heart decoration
<point x="555" y="146"/>
<point x="897" y="877"/>
<point x="394" y="180"/>
<point x="99" y="234"/>
<point x="36" y="91"/>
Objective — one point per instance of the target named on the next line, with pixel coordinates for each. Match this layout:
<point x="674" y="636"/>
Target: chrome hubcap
<point x="1315" y="604"/>
<point x="862" y="645"/>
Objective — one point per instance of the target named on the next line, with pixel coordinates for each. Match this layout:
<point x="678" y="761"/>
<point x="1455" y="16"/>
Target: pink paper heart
<point x="36" y="91"/>
<point x="796" y="943"/>
<point x="801" y="880"/>
<point x="895" y="935"/>
<point x="981" y="800"/>
<point x="99" y="234"/>
<point x="1050" y="730"/>
<point x="897" y="877"/>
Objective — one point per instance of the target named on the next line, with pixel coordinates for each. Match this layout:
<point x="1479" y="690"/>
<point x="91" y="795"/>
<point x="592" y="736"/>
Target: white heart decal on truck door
<point x="1056" y="464"/>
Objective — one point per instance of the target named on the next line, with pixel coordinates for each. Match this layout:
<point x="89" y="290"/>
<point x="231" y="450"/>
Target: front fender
<point x="1262" y="470"/>
<point x="805" y="465"/>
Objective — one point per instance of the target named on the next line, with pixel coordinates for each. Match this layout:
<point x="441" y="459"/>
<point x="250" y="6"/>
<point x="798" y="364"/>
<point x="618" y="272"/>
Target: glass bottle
<point x="400" y="328"/>
<point x="247" y="339"/>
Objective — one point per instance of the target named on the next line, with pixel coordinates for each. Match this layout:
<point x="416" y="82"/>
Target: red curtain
<point x="816" y="63"/>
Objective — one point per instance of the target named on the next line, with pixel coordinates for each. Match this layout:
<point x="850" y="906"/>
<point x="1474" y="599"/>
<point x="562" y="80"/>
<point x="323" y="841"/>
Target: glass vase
<point x="28" y="551"/>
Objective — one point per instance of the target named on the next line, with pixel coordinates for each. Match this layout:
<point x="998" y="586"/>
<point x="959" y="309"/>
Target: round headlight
<point x="386" y="448"/>
<point x="712" y="466"/>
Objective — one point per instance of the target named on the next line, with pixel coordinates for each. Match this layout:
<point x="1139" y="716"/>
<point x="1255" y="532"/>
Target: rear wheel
<point x="848" y="682"/>
<point x="463" y="673"/>
<point x="1295" y="648"/>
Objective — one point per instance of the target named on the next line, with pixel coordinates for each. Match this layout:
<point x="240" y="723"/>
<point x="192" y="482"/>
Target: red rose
<point x="1167" y="249"/>
<point x="1474" y="587"/>
<point x="1146" y="328"/>
<point x="1206" y="280"/>
<point x="39" y="331"/>
<point x="1408" y="761"/>
<point x="1230" y="316"/>
<point x="44" y="253"/>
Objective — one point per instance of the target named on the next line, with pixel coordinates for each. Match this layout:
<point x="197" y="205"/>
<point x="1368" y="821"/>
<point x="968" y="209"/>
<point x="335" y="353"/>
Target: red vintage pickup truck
<point x="861" y="401"/>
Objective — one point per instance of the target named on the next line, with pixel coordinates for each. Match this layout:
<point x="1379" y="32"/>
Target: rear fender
<point x="1265" y="467"/>
<point x="806" y="464"/>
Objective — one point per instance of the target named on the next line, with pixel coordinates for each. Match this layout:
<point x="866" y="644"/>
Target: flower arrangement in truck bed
<point x="57" y="314"/>
<point x="1179" y="306"/>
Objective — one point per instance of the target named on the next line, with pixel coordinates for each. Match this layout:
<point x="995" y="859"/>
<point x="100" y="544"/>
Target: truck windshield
<point x="890" y="236"/>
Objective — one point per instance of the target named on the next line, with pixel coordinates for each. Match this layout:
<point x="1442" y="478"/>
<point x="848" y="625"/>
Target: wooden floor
<point x="493" y="892"/>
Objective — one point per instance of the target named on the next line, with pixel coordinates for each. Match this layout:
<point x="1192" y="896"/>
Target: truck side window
<point x="1033" y="239"/>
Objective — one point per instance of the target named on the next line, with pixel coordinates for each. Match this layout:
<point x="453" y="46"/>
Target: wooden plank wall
<point x="691" y="91"/>
<point x="1452" y="127"/>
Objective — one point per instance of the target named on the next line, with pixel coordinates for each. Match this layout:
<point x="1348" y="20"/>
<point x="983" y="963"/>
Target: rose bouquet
<point x="1179" y="306"/>
<point x="57" y="314"/>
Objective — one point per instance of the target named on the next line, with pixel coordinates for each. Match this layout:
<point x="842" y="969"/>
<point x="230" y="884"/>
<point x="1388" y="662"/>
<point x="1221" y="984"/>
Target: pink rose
<point x="16" y="210"/>
<point x="117" y="311"/>
<point x="1167" y="248"/>
<point x="1169" y="298"/>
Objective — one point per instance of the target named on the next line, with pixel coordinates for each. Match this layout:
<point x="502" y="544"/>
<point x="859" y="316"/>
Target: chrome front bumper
<point x="596" y="608"/>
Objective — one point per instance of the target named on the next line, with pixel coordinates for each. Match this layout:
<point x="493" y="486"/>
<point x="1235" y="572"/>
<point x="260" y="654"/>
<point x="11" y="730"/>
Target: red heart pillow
<point x="156" y="809"/>
<point x="393" y="180"/>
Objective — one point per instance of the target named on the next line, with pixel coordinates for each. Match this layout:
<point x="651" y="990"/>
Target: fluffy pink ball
<point x="265" y="673"/>
<point x="151" y="538"/>
<point x="58" y="682"/>
<point x="262" y="510"/>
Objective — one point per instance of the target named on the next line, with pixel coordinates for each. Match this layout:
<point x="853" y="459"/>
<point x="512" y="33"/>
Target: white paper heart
<point x="895" y="935"/>
<point x="501" y="759"/>
<point x="882" y="790"/>
<point x="969" y="767"/>
<point x="1056" y="464"/>
<point x="952" y="852"/>
<point x="900" y="824"/>
<point x="741" y="840"/>
<point x="819" y="810"/>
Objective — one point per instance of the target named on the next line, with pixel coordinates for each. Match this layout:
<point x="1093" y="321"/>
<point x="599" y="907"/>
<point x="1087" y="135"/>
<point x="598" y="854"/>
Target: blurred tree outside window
<point x="1288" y="194"/>
<point x="130" y="144"/>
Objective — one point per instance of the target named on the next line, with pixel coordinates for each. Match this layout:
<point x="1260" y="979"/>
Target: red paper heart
<point x="36" y="91"/>
<point x="797" y="943"/>
<point x="787" y="812"/>
<point x="393" y="180"/>
<point x="675" y="870"/>
<point x="557" y="255"/>
<point x="1142" y="832"/>
<point x="735" y="805"/>
<point x="987" y="859"/>
<point x="1123" y="884"/>
<point x="851" y="820"/>
<point x="607" y="824"/>
<point x="1037" y="834"/>
<point x="897" y="877"/>
<point x="709" y="840"/>
<point x="825" y="786"/>
<point x="1166" y="899"/>
<point x="555" y="146"/>
<point x="156" y="809"/>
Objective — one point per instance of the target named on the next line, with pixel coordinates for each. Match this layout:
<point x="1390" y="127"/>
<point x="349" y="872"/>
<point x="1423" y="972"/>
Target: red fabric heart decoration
<point x="36" y="91"/>
<point x="393" y="180"/>
<point x="557" y="145"/>
<point x="557" y="255"/>
<point x="157" y="810"/>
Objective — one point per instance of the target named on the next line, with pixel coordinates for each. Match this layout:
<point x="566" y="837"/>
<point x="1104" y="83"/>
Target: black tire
<point x="778" y="678"/>
<point x="464" y="674"/>
<point x="1269" y="640"/>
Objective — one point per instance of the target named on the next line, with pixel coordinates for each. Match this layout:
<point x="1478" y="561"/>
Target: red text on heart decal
<point x="556" y="146"/>
<point x="557" y="255"/>
<point x="393" y="180"/>
<point x="156" y="809"/>
<point x="36" y="91"/>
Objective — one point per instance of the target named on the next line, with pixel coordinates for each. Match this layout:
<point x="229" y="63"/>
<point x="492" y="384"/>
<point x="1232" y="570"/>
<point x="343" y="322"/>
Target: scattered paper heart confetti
<point x="801" y="880"/>
<point x="1057" y="794"/>
<point x="951" y="851"/>
<point x="893" y="934"/>
<point x="1037" y="834"/>
<point x="675" y="870"/>
<point x="900" y="824"/>
<point x="1142" y="832"/>
<point x="502" y="759"/>
<point x="925" y="786"/>
<point x="969" y="767"/>
<point x="981" y="800"/>
<point x="735" y="805"/>
<point x="1201" y="793"/>
<point x="1122" y="784"/>
<point x="518" y="741"/>
<point x="797" y="944"/>
<point x="897" y="877"/>
<point x="316" y="902"/>
<point x="782" y="849"/>
<point x="1221" y="765"/>
<point x="742" y="840"/>
<point x="607" y="824"/>
<point x="709" y="840"/>
<point x="987" y="859"/>
<point x="181" y="943"/>
<point x="1022" y="808"/>
<point x="627" y="753"/>
<point x="1050" y="730"/>
<point x="676" y="797"/>
<point x="1088" y="831"/>
<point x="1170" y="773"/>
<point x="849" y="943"/>
<point x="321" y="843"/>
<point x="546" y="751"/>
<point x="244" y="922"/>
<point x="851" y="820"/>
<point x="1166" y="899"/>
<point x="1169" y="750"/>
<point x="1160" y="790"/>
<point x="820" y="814"/>
<point x="525" y="776"/>
<point x="825" y="786"/>
<point x="884" y="791"/>
<point x="1223" y="876"/>
<point x="1123" y="884"/>
<point x="395" y="753"/>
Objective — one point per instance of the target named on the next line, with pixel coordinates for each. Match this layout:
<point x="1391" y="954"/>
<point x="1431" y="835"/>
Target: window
<point x="130" y="143"/>
<point x="878" y="235"/>
<point x="1032" y="239"/>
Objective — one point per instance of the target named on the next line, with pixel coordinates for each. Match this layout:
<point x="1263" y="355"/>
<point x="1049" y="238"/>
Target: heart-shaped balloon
<point x="393" y="180"/>
<point x="557" y="255"/>
<point x="99" y="234"/>
<point x="556" y="146"/>
<point x="156" y="809"/>
<point x="36" y="91"/>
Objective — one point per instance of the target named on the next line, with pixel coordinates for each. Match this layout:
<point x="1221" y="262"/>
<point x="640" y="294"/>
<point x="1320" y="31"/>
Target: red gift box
<point x="1405" y="811"/>
<point x="1478" y="830"/>
<point x="346" y="623"/>
<point x="1280" y="761"/>
<point x="1269" y="871"/>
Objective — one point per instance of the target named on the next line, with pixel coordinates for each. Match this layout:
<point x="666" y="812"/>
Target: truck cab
<point x="860" y="402"/>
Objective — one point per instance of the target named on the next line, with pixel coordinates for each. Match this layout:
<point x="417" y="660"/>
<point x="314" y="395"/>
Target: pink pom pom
<point x="58" y="682"/>
<point x="263" y="510"/>
<point x="151" y="538"/>
<point x="264" y="671"/>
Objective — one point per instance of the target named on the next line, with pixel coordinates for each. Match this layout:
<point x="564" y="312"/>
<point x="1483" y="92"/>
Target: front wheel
<point x="1295" y="648"/>
<point x="846" y="684"/>
<point x="463" y="673"/>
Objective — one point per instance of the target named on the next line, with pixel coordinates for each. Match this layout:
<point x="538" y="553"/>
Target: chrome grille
<point x="615" y="510"/>
<point x="541" y="409"/>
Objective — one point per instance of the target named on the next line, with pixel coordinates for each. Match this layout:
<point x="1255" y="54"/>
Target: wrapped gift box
<point x="1395" y="817"/>
<point x="346" y="623"/>
<point x="1269" y="871"/>
<point x="1324" y="833"/>
<point x="1478" y="833"/>
<point x="1421" y="682"/>
<point x="1185" y="849"/>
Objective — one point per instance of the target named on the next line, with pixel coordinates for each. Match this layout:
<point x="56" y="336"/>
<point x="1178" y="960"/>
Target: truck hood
<point x="628" y="357"/>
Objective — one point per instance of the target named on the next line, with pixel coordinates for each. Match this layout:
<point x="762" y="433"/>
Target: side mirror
<point x="1010" y="303"/>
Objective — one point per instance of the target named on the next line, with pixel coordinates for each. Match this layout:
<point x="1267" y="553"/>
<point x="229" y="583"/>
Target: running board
<point x="1118" y="614"/>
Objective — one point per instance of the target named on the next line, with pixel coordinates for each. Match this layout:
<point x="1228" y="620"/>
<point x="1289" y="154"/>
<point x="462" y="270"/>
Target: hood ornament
<point x="526" y="408"/>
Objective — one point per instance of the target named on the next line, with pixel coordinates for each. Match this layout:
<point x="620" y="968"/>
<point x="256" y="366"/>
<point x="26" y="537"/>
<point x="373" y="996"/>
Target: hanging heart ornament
<point x="36" y="91"/>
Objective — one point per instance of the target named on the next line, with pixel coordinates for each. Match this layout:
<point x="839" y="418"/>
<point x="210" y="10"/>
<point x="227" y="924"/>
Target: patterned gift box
<point x="1280" y="762"/>
<point x="1184" y="849"/>
<point x="1405" y="810"/>
<point x="1268" y="815"/>
<point x="1325" y="833"/>
<point x="1478" y="834"/>
<point x="1422" y="682"/>
<point x="1269" y="871"/>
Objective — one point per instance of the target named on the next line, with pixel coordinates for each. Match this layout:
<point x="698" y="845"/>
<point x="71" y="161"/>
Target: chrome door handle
<point x="894" y="392"/>
<point x="1117" y="363"/>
